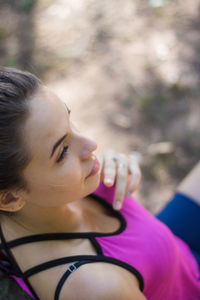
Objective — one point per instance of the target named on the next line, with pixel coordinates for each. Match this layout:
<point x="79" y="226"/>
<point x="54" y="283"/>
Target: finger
<point x="109" y="169"/>
<point x="136" y="156"/>
<point x="135" y="177"/>
<point x="121" y="183"/>
<point x="134" y="183"/>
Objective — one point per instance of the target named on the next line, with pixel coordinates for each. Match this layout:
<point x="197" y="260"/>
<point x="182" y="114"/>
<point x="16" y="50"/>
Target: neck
<point x="35" y="219"/>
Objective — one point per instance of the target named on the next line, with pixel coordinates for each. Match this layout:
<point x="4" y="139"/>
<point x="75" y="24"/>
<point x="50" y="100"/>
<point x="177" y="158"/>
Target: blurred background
<point x="128" y="69"/>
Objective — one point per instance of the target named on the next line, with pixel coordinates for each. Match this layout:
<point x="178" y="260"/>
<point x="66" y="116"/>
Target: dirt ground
<point x="128" y="70"/>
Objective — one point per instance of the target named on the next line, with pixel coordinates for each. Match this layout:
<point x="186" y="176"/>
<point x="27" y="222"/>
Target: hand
<point x="122" y="170"/>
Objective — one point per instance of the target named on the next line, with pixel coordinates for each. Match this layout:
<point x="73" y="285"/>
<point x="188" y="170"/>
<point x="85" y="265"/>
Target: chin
<point x="94" y="183"/>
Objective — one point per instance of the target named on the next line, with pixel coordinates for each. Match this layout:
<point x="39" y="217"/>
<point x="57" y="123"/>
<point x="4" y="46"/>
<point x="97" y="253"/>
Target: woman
<point x="58" y="219"/>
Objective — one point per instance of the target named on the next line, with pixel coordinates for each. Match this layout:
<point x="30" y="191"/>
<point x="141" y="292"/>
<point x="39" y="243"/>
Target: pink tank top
<point x="163" y="263"/>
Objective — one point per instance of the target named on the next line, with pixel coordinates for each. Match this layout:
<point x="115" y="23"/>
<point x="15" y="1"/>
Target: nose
<point x="88" y="147"/>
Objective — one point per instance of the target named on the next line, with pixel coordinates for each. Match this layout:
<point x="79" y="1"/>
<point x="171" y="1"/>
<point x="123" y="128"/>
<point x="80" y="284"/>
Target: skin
<point x="124" y="173"/>
<point x="57" y="189"/>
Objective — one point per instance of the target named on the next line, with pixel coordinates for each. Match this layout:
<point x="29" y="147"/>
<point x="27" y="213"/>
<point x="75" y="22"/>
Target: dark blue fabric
<point x="182" y="215"/>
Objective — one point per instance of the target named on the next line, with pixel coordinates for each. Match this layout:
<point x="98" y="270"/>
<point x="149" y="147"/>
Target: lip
<point x="95" y="167"/>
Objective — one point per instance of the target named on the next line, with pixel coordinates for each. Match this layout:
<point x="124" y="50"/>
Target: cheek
<point x="67" y="177"/>
<point x="59" y="182"/>
<point x="57" y="187"/>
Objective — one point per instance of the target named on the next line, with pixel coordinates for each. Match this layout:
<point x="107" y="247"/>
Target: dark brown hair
<point x="16" y="89"/>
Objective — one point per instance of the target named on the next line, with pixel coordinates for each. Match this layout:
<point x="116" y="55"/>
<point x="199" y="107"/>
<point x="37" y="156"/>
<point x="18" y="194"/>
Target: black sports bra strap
<point x="44" y="237"/>
<point x="56" y="262"/>
<point x="70" y="270"/>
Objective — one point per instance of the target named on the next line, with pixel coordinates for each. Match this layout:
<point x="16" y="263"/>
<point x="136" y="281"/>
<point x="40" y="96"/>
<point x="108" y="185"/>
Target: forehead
<point x="42" y="128"/>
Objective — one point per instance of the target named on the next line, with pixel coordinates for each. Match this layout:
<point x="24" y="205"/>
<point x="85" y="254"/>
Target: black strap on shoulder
<point x="57" y="262"/>
<point x="70" y="270"/>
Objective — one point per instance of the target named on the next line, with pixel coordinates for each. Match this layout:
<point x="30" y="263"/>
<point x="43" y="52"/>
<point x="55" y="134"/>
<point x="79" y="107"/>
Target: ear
<point x="11" y="201"/>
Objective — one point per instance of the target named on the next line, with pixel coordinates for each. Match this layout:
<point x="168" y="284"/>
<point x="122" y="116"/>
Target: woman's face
<point x="62" y="157"/>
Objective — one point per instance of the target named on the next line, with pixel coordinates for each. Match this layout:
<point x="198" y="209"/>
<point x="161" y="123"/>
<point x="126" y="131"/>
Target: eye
<point x="63" y="154"/>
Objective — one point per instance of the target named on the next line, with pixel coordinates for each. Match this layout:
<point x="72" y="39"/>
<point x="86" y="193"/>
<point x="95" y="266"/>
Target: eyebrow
<point x="61" y="139"/>
<point x="57" y="144"/>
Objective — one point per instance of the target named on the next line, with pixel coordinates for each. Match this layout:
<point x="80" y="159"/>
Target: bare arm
<point x="190" y="185"/>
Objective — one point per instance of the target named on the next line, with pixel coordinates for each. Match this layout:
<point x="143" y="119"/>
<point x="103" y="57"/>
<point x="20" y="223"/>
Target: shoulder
<point x="100" y="281"/>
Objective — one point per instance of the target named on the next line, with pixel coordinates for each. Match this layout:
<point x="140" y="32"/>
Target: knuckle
<point x="123" y="168"/>
<point x="123" y="174"/>
<point x="123" y="164"/>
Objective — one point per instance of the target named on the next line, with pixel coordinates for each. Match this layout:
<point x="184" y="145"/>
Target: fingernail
<point x="108" y="181"/>
<point x="117" y="204"/>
